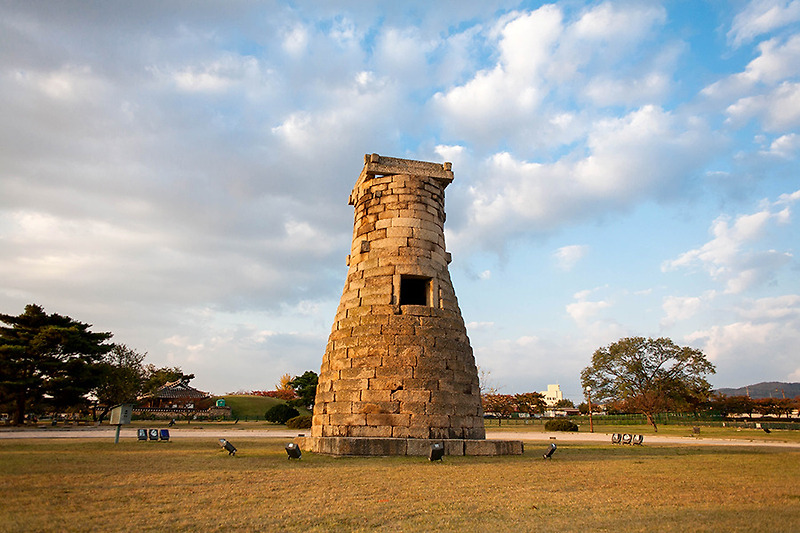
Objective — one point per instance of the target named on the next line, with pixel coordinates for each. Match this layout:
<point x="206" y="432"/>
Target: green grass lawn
<point x="190" y="485"/>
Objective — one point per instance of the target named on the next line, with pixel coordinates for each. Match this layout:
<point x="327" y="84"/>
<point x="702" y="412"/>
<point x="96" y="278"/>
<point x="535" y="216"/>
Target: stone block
<point x="421" y="383"/>
<point x="477" y="432"/>
<point x="345" y="419"/>
<point x="390" y="384"/>
<point x="375" y="395"/>
<point x="350" y="384"/>
<point x="324" y="397"/>
<point x="370" y="431"/>
<point x="412" y="395"/>
<point x="394" y="371"/>
<point x="374" y="408"/>
<point x="338" y="407"/>
<point x="413" y="408"/>
<point x="419" y="432"/>
<point x="346" y="396"/>
<point x="430" y="420"/>
<point x="376" y="299"/>
<point x="357" y="373"/>
<point x="382" y="419"/>
<point x="371" y="361"/>
<point x="400" y="432"/>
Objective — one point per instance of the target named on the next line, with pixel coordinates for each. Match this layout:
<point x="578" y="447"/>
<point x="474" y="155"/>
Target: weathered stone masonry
<point x="398" y="361"/>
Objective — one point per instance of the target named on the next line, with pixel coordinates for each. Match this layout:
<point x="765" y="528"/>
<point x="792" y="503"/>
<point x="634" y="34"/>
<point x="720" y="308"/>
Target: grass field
<point x="190" y="485"/>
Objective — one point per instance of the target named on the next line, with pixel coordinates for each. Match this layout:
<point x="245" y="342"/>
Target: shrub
<point x="560" y="424"/>
<point x="299" y="422"/>
<point x="281" y="413"/>
<point x="286" y="394"/>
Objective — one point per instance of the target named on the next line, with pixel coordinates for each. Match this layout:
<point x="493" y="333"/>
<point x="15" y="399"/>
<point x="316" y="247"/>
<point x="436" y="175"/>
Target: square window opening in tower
<point x="415" y="290"/>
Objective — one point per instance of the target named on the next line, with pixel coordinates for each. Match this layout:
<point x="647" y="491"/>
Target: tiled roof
<point x="178" y="389"/>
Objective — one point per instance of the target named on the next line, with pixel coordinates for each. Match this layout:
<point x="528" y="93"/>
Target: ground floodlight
<point x="550" y="451"/>
<point x="293" y="450"/>
<point x="616" y="438"/>
<point x="153" y="434"/>
<point x="626" y="438"/>
<point x="141" y="434"/>
<point x="637" y="439"/>
<point x="437" y="452"/>
<point x="163" y="434"/>
<point x="227" y="446"/>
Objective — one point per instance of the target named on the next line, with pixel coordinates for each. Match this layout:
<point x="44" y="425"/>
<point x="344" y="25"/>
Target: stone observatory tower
<point x="398" y="371"/>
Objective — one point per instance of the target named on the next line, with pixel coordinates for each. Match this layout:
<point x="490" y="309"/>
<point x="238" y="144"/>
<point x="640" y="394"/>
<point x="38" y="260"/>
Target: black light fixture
<point x="616" y="438"/>
<point x="437" y="452"/>
<point x="141" y="434"/>
<point x="626" y="438"/>
<point x="227" y="446"/>
<point x="163" y="434"/>
<point x="637" y="440"/>
<point x="550" y="451"/>
<point x="293" y="451"/>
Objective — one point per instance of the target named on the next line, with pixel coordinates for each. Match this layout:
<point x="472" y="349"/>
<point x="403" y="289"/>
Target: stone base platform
<point x="376" y="446"/>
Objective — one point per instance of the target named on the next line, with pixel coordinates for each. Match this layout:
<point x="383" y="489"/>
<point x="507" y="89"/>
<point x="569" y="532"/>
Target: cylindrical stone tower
<point x="398" y="363"/>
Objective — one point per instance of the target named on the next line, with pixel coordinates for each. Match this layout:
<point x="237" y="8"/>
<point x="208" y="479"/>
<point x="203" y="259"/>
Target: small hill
<point x="766" y="389"/>
<point x="246" y="406"/>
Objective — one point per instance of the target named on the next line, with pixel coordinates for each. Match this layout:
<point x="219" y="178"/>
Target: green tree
<point x="529" y="402"/>
<point x="306" y="388"/>
<point x="280" y="413"/>
<point x="560" y="404"/>
<point x="121" y="378"/>
<point x="154" y="377"/>
<point x="501" y="405"/>
<point x="50" y="356"/>
<point x="649" y="375"/>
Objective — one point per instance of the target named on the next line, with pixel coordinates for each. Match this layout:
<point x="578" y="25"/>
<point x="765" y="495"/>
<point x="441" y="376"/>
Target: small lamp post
<point x="589" y="397"/>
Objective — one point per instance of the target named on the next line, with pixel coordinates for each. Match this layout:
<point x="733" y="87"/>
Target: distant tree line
<point x="506" y="405"/>
<point x="51" y="363"/>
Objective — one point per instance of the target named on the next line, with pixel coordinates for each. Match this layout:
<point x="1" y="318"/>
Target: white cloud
<point x="500" y="97"/>
<point x="605" y="21"/>
<point x="679" y="308"/>
<point x="782" y="307"/>
<point x="219" y="75"/>
<point x="760" y="346"/>
<point x="568" y="256"/>
<point x="762" y="16"/>
<point x="584" y="311"/>
<point x="732" y="256"/>
<point x="778" y="111"/>
<point x="635" y="157"/>
<point x="785" y="146"/>
<point x="295" y="40"/>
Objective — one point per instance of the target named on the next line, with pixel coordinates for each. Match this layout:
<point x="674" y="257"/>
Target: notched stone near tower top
<point x="398" y="371"/>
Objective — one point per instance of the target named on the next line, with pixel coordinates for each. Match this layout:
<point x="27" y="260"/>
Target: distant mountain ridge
<point x="766" y="389"/>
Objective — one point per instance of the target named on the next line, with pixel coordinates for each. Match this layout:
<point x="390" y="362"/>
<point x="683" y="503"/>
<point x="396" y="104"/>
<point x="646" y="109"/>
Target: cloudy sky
<point x="177" y="173"/>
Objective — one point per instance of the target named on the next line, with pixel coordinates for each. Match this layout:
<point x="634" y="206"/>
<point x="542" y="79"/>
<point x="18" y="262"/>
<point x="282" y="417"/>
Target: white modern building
<point x="552" y="395"/>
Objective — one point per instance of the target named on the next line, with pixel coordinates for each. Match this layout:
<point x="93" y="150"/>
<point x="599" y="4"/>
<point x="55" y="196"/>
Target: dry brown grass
<point x="188" y="485"/>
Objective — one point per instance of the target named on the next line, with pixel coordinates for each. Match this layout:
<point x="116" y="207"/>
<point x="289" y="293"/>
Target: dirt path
<point x="648" y="439"/>
<point x="231" y="433"/>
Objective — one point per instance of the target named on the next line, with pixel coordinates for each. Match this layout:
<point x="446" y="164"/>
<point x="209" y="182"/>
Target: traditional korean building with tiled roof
<point x="175" y="395"/>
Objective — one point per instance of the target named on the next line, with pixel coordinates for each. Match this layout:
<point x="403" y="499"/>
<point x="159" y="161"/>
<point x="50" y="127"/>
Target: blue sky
<point x="178" y="174"/>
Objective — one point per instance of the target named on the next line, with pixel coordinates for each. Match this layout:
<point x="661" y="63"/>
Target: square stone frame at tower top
<point x="398" y="372"/>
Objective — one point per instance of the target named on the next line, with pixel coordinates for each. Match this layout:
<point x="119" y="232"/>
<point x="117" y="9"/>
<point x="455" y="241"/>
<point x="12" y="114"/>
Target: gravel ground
<point x="210" y="432"/>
